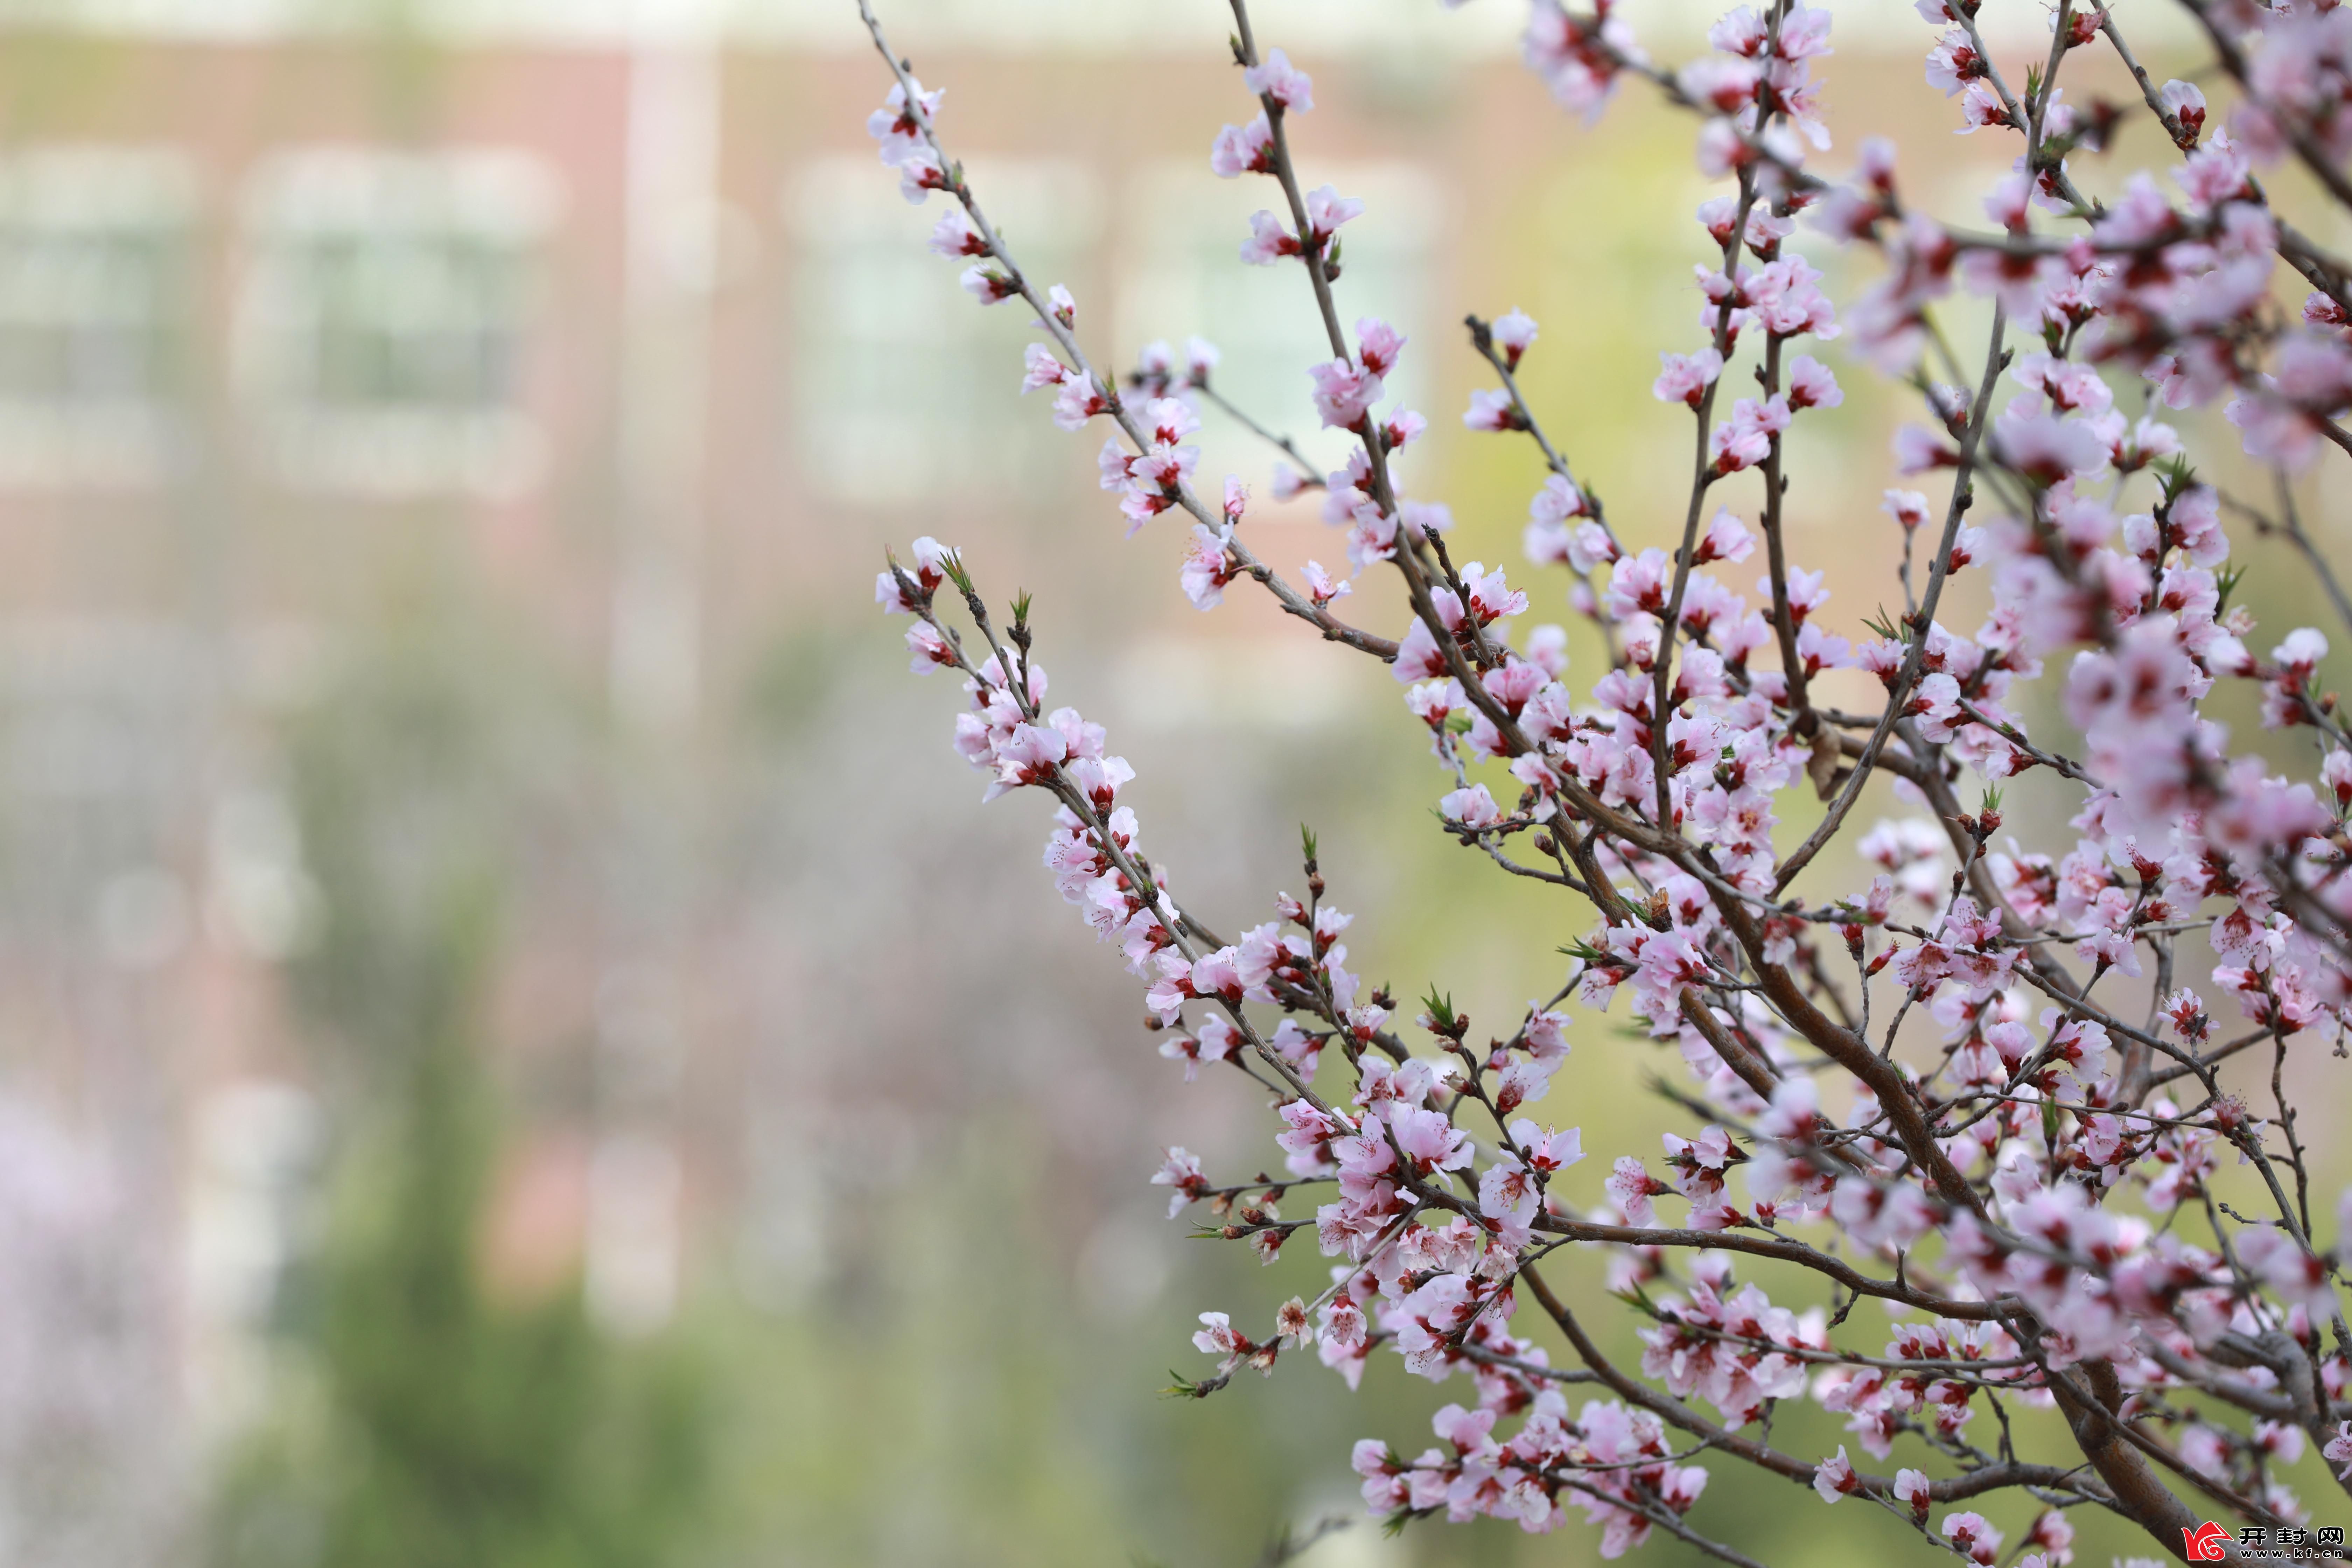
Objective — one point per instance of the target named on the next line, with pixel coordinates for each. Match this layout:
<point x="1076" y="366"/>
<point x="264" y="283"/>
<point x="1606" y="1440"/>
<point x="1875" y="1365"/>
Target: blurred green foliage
<point x="428" y="1427"/>
<point x="416" y="1421"/>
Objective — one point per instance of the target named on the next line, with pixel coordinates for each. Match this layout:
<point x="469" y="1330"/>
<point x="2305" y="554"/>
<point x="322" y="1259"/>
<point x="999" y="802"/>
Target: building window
<point x="386" y="317"/>
<point x="905" y="389"/>
<point x="93" y="297"/>
<point x="1185" y="228"/>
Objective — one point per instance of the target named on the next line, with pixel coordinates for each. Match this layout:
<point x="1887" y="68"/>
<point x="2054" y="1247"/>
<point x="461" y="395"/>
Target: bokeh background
<point x="517" y="1043"/>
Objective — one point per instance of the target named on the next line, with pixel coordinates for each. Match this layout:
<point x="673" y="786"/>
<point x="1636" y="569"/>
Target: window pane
<point x="385" y="315"/>
<point x="93" y="255"/>
<point x="905" y="385"/>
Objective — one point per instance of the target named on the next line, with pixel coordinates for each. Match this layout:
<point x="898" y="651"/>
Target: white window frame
<point x="906" y="388"/>
<point x="74" y="194"/>
<point x="298" y="201"/>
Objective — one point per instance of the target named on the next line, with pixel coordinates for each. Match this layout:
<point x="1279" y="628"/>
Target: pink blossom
<point x="1549" y="1152"/>
<point x="1834" y="1478"/>
<point x="1490" y="597"/>
<point x="954" y="234"/>
<point x="1980" y="107"/>
<point x="1726" y="538"/>
<point x="1181" y="1172"/>
<point x="1215" y="1043"/>
<point x="1320" y="586"/>
<point x="1080" y="400"/>
<point x="1418" y="655"/>
<point x="898" y="124"/>
<point x="1377" y="344"/>
<point x="1244" y="149"/>
<point x="920" y="173"/>
<point x="1880" y="1214"/>
<point x="1810" y="385"/>
<point x="1805" y="33"/>
<point x="2216" y="174"/>
<point x="931" y="651"/>
<point x="1547" y="650"/>
<point x="1745" y="438"/>
<point x="1686" y="376"/>
<point x="1278" y="79"/>
<point x="1208" y="567"/>
<point x="1640" y="584"/>
<point x="1216" y="974"/>
<point x="1579" y="61"/>
<point x="1492" y="408"/>
<point x="2337" y="773"/>
<point x="1268" y="241"/>
<point x="1917" y="451"/>
<point x="1954" y="62"/>
<point x="2339" y="1450"/>
<point x="927" y="574"/>
<point x="2193" y="523"/>
<point x="1726" y="86"/>
<point x="989" y="284"/>
<point x="1514" y="334"/>
<point x="1028" y="756"/>
<point x="1327" y="209"/>
<point x="1201" y="357"/>
<point x="1908" y="508"/>
<point x="1506" y="1191"/>
<point x="1550" y="540"/>
<point x="2275" y="1257"/>
<point x="1428" y="1140"/>
<point x="2186" y="104"/>
<point x="1169" y="420"/>
<point x="1344" y="392"/>
<point x="1631" y="1188"/>
<point x="2043" y="447"/>
<point x="1472" y="807"/>
<point x="1218" y="1337"/>
<point x="1041" y="368"/>
<point x="1973" y="1537"/>
<point x="2139" y="217"/>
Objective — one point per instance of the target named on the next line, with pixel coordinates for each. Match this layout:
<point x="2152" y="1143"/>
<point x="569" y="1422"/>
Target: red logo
<point x="2207" y="1543"/>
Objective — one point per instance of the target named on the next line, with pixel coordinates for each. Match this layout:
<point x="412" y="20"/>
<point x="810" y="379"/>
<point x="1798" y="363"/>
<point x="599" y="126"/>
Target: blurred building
<point x="617" y="319"/>
<point x="616" y="323"/>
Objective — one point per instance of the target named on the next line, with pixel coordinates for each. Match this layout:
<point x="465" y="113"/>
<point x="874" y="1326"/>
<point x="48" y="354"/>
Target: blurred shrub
<point x="416" y="1421"/>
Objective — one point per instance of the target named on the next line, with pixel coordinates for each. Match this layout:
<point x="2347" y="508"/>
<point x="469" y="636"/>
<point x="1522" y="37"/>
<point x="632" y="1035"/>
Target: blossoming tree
<point x="2026" y="1179"/>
